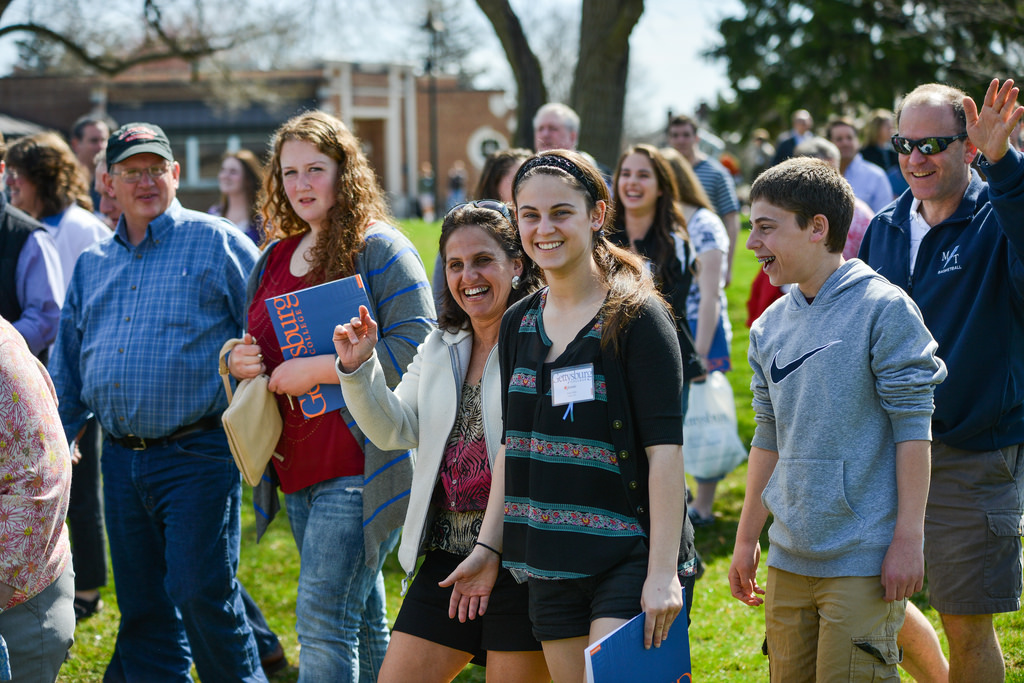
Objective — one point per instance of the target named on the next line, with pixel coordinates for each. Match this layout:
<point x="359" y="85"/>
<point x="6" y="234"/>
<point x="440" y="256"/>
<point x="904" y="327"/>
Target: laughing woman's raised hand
<point x="354" y="340"/>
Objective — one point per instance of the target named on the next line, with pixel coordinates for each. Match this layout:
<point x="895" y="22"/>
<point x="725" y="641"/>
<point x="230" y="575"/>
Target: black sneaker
<point x="86" y="608"/>
<point x="696" y="519"/>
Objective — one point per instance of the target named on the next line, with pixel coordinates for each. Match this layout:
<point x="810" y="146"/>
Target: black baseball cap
<point x="137" y="138"/>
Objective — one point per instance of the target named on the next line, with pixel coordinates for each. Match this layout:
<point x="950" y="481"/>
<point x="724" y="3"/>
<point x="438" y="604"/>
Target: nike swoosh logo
<point x="778" y="374"/>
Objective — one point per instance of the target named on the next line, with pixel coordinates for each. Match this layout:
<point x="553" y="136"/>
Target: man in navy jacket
<point x="955" y="244"/>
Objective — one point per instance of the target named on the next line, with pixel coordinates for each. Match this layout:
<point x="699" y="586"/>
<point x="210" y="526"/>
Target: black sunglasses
<point x="927" y="146"/>
<point x="490" y="204"/>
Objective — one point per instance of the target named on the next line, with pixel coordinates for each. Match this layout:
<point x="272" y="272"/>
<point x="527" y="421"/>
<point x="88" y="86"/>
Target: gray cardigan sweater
<point x="401" y="302"/>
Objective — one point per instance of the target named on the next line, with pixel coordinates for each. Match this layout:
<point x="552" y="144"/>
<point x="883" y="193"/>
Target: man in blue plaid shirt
<point x="145" y="315"/>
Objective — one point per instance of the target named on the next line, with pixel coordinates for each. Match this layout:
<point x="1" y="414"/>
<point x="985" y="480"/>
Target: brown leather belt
<point x="137" y="443"/>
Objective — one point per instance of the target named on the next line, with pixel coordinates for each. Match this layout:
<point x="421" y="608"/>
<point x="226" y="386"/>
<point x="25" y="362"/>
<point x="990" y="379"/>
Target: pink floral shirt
<point x="862" y="215"/>
<point x="35" y="473"/>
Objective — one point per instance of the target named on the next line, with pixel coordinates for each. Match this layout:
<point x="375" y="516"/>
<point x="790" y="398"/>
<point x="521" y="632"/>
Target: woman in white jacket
<point x="448" y="407"/>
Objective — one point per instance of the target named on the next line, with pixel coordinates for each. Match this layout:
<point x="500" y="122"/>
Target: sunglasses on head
<point x="927" y="146"/>
<point x="489" y="204"/>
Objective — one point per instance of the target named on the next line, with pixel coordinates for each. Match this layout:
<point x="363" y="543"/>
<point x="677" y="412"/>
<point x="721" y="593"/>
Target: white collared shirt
<point x="918" y="229"/>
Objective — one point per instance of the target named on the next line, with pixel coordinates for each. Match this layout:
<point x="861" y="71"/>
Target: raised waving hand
<point x="989" y="129"/>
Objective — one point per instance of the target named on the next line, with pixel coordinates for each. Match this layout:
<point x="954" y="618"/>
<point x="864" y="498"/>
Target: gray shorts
<point x="40" y="631"/>
<point x="972" y="530"/>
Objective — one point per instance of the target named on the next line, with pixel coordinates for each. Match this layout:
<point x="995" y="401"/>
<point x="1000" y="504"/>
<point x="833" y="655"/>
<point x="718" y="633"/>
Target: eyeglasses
<point x="490" y="204"/>
<point x="134" y="175"/>
<point x="927" y="146"/>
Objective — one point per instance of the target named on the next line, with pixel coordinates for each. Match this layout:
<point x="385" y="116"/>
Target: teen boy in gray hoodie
<point x="844" y="372"/>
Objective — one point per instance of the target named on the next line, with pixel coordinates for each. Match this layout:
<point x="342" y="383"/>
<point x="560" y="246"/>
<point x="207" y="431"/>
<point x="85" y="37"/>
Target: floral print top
<point x="35" y="473"/>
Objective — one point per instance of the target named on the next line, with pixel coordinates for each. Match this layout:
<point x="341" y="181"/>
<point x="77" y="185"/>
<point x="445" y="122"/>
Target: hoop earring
<point x="515" y="282"/>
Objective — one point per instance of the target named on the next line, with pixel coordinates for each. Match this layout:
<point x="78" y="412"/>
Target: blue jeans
<point x="173" y="520"/>
<point x="266" y="640"/>
<point x="341" y="613"/>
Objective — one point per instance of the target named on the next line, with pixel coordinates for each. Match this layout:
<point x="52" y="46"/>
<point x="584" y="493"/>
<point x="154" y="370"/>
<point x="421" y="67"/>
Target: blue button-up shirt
<point x="38" y="285"/>
<point x="870" y="183"/>
<point x="39" y="288"/>
<point x="142" y="325"/>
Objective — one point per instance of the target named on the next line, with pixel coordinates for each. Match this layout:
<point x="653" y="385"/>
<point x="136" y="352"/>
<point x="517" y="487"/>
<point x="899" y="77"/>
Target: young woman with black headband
<point x="588" y="492"/>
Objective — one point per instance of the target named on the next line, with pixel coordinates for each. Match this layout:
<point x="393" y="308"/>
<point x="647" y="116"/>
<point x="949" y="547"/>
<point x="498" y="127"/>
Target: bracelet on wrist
<point x="493" y="550"/>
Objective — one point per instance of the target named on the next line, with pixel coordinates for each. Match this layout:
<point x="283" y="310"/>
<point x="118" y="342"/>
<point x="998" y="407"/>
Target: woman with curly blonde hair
<point x="345" y="498"/>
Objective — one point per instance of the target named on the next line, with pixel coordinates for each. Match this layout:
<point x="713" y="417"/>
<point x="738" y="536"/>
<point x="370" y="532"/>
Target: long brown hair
<point x="252" y="178"/>
<point x="46" y="161"/>
<point x="668" y="219"/>
<point x="495" y="168"/>
<point x="876" y="122"/>
<point x="624" y="273"/>
<point x="687" y="183"/>
<point x="358" y="199"/>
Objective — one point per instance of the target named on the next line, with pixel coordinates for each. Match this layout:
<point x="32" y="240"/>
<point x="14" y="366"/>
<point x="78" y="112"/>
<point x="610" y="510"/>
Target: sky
<point x="666" y="67"/>
<point x="665" y="45"/>
<point x="667" y="71"/>
<point x="668" y="41"/>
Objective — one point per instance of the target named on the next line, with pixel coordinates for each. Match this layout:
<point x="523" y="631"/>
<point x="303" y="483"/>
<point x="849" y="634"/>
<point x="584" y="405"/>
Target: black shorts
<point x="564" y="608"/>
<point x="504" y="627"/>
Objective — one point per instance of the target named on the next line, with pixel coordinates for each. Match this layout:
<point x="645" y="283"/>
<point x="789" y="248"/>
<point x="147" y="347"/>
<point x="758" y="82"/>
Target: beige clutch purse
<point x="252" y="421"/>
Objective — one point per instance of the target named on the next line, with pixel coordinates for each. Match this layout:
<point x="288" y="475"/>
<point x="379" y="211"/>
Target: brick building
<point x="386" y="105"/>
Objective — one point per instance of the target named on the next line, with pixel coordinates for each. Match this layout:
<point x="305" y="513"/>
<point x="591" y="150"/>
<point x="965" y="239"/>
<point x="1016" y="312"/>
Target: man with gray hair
<point x="820" y="148"/>
<point x="801" y="130"/>
<point x="555" y="126"/>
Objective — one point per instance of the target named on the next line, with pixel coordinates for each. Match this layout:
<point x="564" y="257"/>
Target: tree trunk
<point x="525" y="66"/>
<point x="599" y="89"/>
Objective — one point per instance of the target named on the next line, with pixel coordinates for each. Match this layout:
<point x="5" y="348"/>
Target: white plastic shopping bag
<point x="711" y="444"/>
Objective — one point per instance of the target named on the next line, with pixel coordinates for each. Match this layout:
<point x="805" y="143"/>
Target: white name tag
<point x="572" y="385"/>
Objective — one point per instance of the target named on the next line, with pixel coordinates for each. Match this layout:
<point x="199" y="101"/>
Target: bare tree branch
<point x="111" y="66"/>
<point x="525" y="65"/>
<point x="159" y="35"/>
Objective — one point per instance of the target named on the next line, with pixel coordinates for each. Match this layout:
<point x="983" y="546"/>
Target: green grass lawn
<point x="725" y="636"/>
